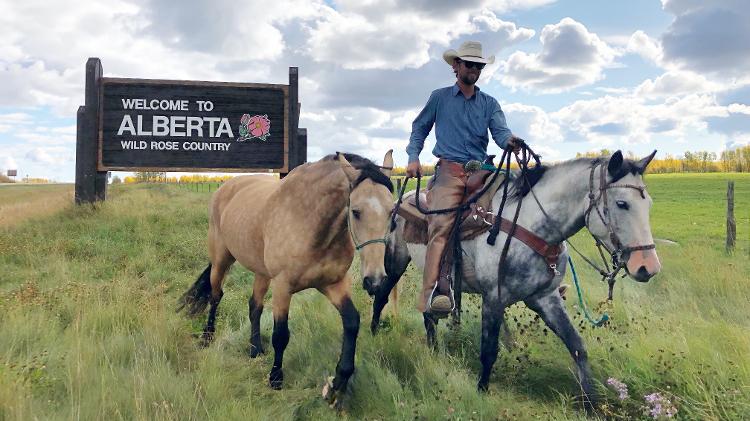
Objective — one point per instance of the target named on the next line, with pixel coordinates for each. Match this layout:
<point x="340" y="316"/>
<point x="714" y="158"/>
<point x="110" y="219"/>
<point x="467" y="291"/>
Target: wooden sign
<point x="151" y="125"/>
<point x="171" y="125"/>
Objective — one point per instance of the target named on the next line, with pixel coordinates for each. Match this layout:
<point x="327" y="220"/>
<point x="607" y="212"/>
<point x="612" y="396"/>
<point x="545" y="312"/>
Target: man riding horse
<point x="462" y="115"/>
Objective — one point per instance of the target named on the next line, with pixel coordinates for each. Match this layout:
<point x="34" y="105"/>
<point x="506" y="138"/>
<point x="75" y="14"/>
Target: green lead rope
<point x="605" y="316"/>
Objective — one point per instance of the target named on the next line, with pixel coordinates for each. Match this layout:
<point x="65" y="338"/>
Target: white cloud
<point x="530" y="122"/>
<point x="645" y="46"/>
<point x="631" y="120"/>
<point x="357" y="37"/>
<point x="739" y="109"/>
<point x="674" y="83"/>
<point x="571" y="56"/>
<point x="7" y="162"/>
<point x="11" y="120"/>
<point x="50" y="155"/>
<point x="708" y="36"/>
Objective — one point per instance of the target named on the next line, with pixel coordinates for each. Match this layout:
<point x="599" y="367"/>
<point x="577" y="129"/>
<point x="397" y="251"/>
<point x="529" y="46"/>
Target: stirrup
<point x="443" y="309"/>
<point x="441" y="306"/>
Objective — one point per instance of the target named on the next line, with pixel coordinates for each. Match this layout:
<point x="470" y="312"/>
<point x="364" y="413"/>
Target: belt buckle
<point x="472" y="166"/>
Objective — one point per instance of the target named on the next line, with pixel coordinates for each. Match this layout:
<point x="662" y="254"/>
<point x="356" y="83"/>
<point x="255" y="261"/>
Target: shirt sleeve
<point x="498" y="127"/>
<point x="421" y="127"/>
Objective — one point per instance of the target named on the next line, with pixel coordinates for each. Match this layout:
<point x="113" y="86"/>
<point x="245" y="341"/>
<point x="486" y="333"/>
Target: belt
<point x="454" y="169"/>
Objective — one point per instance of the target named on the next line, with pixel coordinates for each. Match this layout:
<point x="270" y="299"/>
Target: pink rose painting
<point x="255" y="127"/>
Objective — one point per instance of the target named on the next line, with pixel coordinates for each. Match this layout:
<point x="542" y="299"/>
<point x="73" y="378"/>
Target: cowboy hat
<point x="468" y="51"/>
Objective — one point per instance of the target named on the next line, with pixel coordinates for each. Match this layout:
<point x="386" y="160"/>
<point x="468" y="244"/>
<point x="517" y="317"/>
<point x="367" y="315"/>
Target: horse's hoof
<point x="276" y="379"/>
<point x="256" y="350"/>
<point x="206" y="338"/>
<point x="332" y="396"/>
<point x="482" y="386"/>
<point x="589" y="405"/>
<point x="374" y="328"/>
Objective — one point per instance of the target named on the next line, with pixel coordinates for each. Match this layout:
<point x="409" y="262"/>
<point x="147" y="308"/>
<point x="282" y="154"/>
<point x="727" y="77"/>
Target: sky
<point x="571" y="76"/>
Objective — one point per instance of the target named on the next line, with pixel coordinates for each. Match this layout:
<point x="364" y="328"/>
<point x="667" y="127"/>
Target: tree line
<point x="161" y="177"/>
<point x="735" y="160"/>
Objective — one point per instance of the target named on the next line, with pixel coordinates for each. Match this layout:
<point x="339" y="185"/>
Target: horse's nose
<point x="367" y="284"/>
<point x="642" y="274"/>
<point x="642" y="265"/>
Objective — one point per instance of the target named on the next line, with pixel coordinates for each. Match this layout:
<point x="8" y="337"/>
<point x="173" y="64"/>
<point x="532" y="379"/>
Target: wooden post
<point x="85" y="168"/>
<point x="293" y="121"/>
<point x="301" y="146"/>
<point x="91" y="185"/>
<point x="731" y="225"/>
<point x="398" y="185"/>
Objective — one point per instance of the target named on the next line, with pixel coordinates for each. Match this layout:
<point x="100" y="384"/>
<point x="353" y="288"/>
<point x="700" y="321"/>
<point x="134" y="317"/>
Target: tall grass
<point x="88" y="329"/>
<point x="19" y="202"/>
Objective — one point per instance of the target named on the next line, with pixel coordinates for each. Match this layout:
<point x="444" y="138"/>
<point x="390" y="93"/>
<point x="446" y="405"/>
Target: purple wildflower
<point x="619" y="387"/>
<point x="659" y="406"/>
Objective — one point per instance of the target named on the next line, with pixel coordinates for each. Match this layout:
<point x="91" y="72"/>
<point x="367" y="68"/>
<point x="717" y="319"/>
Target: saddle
<point x="474" y="221"/>
<point x="478" y="219"/>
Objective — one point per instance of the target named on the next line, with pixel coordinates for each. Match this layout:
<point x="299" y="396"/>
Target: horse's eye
<point x="623" y="204"/>
<point x="356" y="213"/>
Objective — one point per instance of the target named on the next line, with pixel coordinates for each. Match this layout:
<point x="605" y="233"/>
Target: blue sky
<point x="572" y="76"/>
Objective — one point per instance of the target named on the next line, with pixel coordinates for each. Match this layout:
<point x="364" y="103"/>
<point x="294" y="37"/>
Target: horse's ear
<point x="387" y="166"/>
<point x="351" y="173"/>
<point x="615" y="163"/>
<point x="643" y="163"/>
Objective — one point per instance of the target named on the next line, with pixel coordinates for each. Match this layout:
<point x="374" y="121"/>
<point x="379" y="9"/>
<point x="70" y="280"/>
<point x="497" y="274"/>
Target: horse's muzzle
<point x="372" y="286"/>
<point x="642" y="265"/>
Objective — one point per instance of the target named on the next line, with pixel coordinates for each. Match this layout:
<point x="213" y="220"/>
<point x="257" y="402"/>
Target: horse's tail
<point x="195" y="299"/>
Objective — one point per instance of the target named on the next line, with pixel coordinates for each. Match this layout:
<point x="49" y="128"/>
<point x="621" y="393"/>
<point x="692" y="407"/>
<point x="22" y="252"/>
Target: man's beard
<point x="469" y="79"/>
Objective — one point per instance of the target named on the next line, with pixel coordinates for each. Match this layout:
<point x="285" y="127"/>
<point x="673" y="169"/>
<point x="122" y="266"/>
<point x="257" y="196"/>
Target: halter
<point x="357" y="245"/>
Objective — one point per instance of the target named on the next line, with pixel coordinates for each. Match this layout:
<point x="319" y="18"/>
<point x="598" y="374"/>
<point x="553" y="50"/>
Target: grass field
<point x="87" y="298"/>
<point x="22" y="201"/>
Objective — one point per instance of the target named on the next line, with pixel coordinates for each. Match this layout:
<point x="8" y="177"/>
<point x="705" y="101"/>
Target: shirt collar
<point x="455" y="90"/>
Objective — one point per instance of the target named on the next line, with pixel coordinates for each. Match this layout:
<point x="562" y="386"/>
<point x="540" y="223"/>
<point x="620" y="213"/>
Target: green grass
<point x="89" y="330"/>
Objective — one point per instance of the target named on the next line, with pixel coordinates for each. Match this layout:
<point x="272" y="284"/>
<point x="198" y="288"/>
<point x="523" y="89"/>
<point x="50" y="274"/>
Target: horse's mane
<point x="367" y="168"/>
<point x="535" y="174"/>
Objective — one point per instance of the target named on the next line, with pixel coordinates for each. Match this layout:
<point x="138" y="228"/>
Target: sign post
<point x="168" y="125"/>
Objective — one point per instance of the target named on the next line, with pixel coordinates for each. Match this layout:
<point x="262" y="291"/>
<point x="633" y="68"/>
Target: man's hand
<point x="413" y="169"/>
<point x="513" y="144"/>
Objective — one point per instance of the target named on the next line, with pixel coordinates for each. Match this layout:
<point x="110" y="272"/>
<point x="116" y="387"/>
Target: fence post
<point x="731" y="225"/>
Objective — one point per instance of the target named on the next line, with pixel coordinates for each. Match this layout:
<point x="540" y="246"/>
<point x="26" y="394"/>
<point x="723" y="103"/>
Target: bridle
<point x="608" y="273"/>
<point x="604" y="215"/>
<point x="620" y="248"/>
<point x="357" y="245"/>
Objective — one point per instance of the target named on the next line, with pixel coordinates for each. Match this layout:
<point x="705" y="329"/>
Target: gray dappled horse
<point x="607" y="196"/>
<point x="293" y="234"/>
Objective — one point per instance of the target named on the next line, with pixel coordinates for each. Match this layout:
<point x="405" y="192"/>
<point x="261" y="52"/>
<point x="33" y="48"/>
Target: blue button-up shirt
<point x="460" y="125"/>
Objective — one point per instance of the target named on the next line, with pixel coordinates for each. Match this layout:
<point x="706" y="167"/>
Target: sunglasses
<point x="472" y="64"/>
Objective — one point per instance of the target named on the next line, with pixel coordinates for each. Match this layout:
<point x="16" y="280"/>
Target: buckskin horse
<point x="293" y="234"/>
<point x="606" y="196"/>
